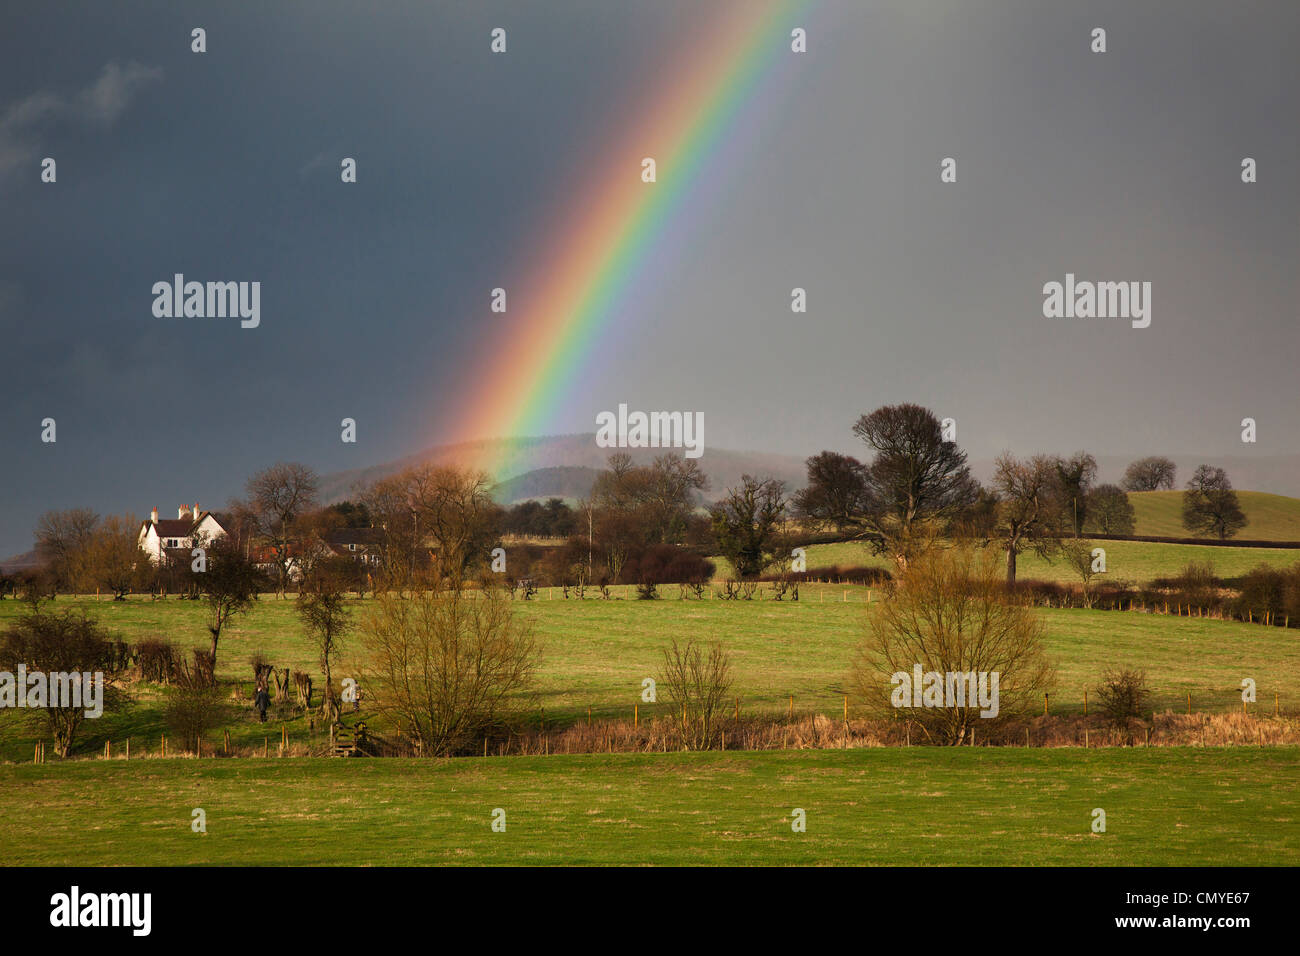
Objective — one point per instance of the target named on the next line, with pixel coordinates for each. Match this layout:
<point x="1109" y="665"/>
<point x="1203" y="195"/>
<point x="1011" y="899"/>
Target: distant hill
<point x="563" y="482"/>
<point x="1272" y="517"/>
<point x="19" y="562"/>
<point x="563" y="466"/>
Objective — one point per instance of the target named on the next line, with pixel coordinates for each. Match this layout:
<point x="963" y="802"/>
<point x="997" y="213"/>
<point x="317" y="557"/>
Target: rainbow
<point x="590" y="263"/>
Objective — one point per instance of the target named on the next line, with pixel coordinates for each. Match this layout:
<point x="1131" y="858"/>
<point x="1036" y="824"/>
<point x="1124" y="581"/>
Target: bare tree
<point x="1211" y="506"/>
<point x="696" y="683"/>
<point x="454" y="508"/>
<point x="1150" y="474"/>
<point x="62" y="646"/>
<point x="278" y="498"/>
<point x="323" y="608"/>
<point x="950" y="615"/>
<point x="747" y="524"/>
<point x="1028" y="512"/>
<point x="1078" y="556"/>
<point x="836" y="491"/>
<point x="63" y="540"/>
<point x="389" y="504"/>
<point x="917" y="482"/>
<point x="1074" y="477"/>
<point x="228" y="582"/>
<point x="115" y="556"/>
<point x="449" y="665"/>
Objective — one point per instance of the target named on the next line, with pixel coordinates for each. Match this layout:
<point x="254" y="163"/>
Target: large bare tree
<point x="917" y="484"/>
<point x="63" y="543"/>
<point x="454" y="508"/>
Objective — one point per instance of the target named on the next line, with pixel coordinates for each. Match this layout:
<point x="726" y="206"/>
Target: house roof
<point x="179" y="527"/>
<point x="173" y="527"/>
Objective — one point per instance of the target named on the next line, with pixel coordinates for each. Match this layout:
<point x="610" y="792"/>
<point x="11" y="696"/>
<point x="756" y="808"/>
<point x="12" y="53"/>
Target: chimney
<point x="196" y="511"/>
<point x="154" y="517"/>
<point x="182" y="511"/>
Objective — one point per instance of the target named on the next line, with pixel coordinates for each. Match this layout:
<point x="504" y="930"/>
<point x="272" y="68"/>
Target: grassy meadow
<point x="1129" y="561"/>
<point x="597" y="652"/>
<point x="878" y="806"/>
<point x="1166" y="805"/>
<point x="1271" y="517"/>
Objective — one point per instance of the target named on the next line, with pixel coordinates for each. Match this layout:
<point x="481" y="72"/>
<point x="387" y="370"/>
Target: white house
<point x="159" y="535"/>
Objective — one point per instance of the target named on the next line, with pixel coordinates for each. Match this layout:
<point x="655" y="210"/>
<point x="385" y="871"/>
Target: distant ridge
<point x="558" y="466"/>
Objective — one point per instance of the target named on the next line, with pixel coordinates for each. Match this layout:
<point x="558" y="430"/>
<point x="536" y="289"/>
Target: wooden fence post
<point x="792" y="706"/>
<point x="1085" y="702"/>
<point x="164" y="745"/>
<point x="1189" y="702"/>
<point x="1045" y="696"/>
<point x="636" y="715"/>
<point x="128" y="748"/>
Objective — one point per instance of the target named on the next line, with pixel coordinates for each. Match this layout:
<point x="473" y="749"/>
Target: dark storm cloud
<point x="225" y="166"/>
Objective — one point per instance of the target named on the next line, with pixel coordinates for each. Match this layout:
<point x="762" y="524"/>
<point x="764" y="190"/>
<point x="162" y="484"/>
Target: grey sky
<point x="1115" y="166"/>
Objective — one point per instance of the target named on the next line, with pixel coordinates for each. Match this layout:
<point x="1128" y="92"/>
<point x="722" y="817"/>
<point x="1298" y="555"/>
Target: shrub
<point x="157" y="660"/>
<point x="194" y="705"/>
<point x="697" y="684"/>
<point x="450" y="665"/>
<point x="951" y="613"/>
<point x="1122" y="697"/>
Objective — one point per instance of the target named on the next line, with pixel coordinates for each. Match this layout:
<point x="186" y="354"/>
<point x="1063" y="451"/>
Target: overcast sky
<point x="1119" y="166"/>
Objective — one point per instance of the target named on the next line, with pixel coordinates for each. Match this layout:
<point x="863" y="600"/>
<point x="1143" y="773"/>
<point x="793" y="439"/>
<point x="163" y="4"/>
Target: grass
<point x="1271" y="517"/>
<point x="972" y="806"/>
<point x="596" y="653"/>
<point x="1131" y="561"/>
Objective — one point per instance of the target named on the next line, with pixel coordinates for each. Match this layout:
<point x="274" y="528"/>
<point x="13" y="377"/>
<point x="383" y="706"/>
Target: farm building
<point x="158" y="535"/>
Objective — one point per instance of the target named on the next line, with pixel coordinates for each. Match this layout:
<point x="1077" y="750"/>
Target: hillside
<point x="1272" y="517"/>
<point x="553" y="465"/>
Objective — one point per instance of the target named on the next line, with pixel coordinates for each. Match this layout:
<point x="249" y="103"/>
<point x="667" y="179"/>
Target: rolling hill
<point x="563" y="466"/>
<point x="1272" y="517"/>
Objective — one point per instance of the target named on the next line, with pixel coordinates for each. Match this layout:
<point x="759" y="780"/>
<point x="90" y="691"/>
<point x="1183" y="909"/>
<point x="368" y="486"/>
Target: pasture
<point x="595" y="653"/>
<point x="1271" y="517"/>
<point x="1133" y="562"/>
<point x="915" y="806"/>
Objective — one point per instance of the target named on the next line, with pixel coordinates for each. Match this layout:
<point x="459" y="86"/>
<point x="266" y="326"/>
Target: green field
<point x="1271" y="517"/>
<point x="1133" y="562"/>
<point x="917" y="806"/>
<point x="596" y="653"/>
